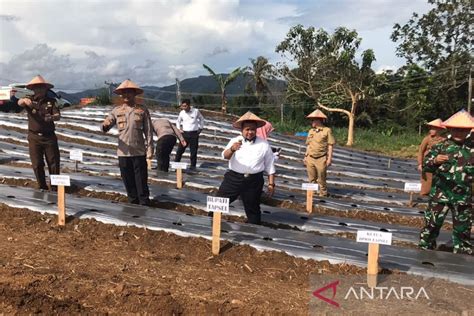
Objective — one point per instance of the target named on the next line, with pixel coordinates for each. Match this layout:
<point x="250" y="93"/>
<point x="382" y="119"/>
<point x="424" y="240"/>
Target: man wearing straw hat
<point x="249" y="157"/>
<point x="318" y="156"/>
<point x="42" y="112"/>
<point x="434" y="137"/>
<point x="452" y="165"/>
<point x="135" y="141"/>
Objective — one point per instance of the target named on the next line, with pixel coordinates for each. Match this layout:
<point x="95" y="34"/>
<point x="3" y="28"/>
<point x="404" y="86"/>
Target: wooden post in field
<point x="374" y="239"/>
<point x="373" y="265"/>
<point x="310" y="188"/>
<point x="148" y="164"/>
<point x="76" y="156"/>
<point x="179" y="166"/>
<point x="389" y="163"/>
<point x="61" y="181"/>
<point x="217" y="205"/>
<point x="411" y="188"/>
<point x="216" y="233"/>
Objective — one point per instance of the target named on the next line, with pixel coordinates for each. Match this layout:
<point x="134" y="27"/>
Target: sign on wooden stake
<point x="310" y="188"/>
<point x="217" y="205"/>
<point x="61" y="181"/>
<point x="76" y="156"/>
<point x="412" y="187"/>
<point x="179" y="166"/>
<point x="374" y="239"/>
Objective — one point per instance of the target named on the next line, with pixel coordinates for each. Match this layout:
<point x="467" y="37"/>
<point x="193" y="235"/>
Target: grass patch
<point x="400" y="143"/>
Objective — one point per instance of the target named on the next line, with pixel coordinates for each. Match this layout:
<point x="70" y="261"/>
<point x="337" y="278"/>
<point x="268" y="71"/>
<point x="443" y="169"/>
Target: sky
<point x="80" y="44"/>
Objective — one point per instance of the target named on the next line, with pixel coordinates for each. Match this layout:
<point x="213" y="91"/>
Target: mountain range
<point x="191" y="87"/>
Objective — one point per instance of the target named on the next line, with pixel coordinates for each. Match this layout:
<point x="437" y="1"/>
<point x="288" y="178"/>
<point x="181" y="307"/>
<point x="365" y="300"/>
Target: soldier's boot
<point x="462" y="225"/>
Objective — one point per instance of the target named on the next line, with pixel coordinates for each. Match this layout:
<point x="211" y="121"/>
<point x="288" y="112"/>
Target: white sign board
<point x="57" y="179"/>
<point x="179" y="165"/>
<point x="310" y="186"/>
<point x="374" y="237"/>
<point x="412" y="187"/>
<point x="217" y="204"/>
<point x="76" y="154"/>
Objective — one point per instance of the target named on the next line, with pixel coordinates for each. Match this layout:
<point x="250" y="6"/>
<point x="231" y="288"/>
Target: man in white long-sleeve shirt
<point x="190" y="122"/>
<point x="249" y="157"/>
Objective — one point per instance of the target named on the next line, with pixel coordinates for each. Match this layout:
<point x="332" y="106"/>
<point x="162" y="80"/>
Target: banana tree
<point x="222" y="82"/>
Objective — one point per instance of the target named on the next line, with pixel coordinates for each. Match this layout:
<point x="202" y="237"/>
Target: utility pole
<point x="281" y="112"/>
<point x="178" y="92"/>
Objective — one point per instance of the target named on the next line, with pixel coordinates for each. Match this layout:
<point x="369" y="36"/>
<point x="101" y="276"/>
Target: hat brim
<point x="48" y="85"/>
<point x="120" y="91"/>
<point x="239" y="124"/>
<point x="463" y="127"/>
<point x="436" y="126"/>
<point x="316" y="118"/>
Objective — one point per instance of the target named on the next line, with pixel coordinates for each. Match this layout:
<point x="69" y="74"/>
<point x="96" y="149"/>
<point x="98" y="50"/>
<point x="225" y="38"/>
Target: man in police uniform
<point x="319" y="149"/>
<point x="249" y="157"/>
<point x="135" y="141"/>
<point x="42" y="112"/>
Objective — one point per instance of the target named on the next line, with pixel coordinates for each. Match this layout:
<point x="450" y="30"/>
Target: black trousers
<point x="192" y="140"/>
<point x="40" y="147"/>
<point x="135" y="178"/>
<point x="248" y="188"/>
<point x="164" y="146"/>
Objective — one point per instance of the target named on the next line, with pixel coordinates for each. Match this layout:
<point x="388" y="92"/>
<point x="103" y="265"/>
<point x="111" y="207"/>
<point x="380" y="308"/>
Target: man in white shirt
<point x="249" y="157"/>
<point x="190" y="123"/>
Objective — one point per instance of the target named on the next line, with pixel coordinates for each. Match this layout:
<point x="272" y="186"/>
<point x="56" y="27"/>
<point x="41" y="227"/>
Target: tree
<point x="222" y="82"/>
<point x="327" y="71"/>
<point x="260" y="71"/>
<point x="441" y="41"/>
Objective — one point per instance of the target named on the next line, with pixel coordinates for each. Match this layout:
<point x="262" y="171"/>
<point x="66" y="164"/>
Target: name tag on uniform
<point x="178" y="165"/>
<point x="310" y="186"/>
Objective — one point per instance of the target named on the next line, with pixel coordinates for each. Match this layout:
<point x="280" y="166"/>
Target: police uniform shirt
<point x="135" y="131"/>
<point x="163" y="127"/>
<point x="190" y="121"/>
<point x="318" y="140"/>
<point x="252" y="157"/>
<point x="41" y="116"/>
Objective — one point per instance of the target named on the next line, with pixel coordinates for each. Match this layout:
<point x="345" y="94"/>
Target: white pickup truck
<point x="19" y="90"/>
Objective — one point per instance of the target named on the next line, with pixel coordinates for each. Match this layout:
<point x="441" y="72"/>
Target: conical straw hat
<point x="461" y="119"/>
<point x="317" y="114"/>
<point x="38" y="80"/>
<point x="128" y="84"/>
<point x="436" y="123"/>
<point x="249" y="116"/>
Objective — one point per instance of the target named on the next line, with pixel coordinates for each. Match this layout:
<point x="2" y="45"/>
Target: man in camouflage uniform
<point x="318" y="156"/>
<point x="42" y="141"/>
<point x="452" y="165"/>
<point x="135" y="142"/>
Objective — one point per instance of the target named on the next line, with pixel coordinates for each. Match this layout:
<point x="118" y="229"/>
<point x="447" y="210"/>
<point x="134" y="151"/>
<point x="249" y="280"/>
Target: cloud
<point x="217" y="50"/>
<point x="9" y="18"/>
<point x="82" y="43"/>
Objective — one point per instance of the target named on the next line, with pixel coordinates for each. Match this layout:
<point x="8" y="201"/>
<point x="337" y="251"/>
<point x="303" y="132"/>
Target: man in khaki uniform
<point x="319" y="148"/>
<point x="42" y="142"/>
<point x="135" y="141"/>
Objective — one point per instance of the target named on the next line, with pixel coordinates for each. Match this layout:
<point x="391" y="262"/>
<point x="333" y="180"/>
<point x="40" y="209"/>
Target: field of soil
<point x="88" y="267"/>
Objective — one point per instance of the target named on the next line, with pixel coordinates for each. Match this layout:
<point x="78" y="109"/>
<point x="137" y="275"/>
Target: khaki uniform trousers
<point x="316" y="168"/>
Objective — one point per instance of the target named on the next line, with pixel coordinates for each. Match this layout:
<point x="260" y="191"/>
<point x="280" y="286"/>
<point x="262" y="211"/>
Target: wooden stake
<point x="216" y="233"/>
<point x="373" y="265"/>
<point x="389" y="163"/>
<point x="61" y="204"/>
<point x="148" y="163"/>
<point x="309" y="201"/>
<point x="410" y="202"/>
<point x="76" y="165"/>
<point x="179" y="178"/>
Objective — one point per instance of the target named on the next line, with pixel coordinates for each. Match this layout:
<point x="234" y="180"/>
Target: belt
<point x="41" y="134"/>
<point x="246" y="175"/>
<point x="317" y="157"/>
